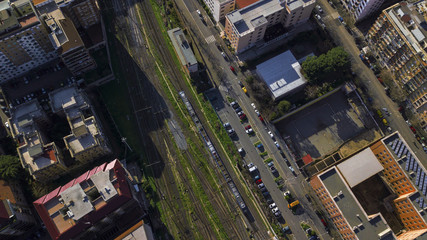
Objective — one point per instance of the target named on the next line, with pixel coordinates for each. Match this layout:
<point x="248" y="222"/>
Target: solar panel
<point x="415" y="166"/>
<point x="407" y="164"/>
<point x="406" y="151"/>
<point x="411" y="164"/>
<point x="398" y="146"/>
<point x="421" y="202"/>
<point x="395" y="144"/>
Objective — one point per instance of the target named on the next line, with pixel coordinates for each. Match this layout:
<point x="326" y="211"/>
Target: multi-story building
<point x="16" y="218"/>
<point x="24" y="41"/>
<point x="100" y="204"/>
<point x="398" y="38"/>
<point x="140" y="230"/>
<point x="220" y="8"/>
<point x="399" y="169"/>
<point x="64" y="37"/>
<point x="83" y="13"/>
<point x="40" y="157"/>
<point x="360" y="9"/>
<point x="246" y="27"/>
<point x="86" y="141"/>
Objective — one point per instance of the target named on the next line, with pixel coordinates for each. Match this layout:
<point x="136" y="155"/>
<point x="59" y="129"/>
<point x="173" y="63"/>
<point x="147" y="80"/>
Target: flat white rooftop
<point x="360" y="167"/>
<point x="282" y="74"/>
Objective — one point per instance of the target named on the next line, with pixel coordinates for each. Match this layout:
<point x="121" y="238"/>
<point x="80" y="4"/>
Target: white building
<point x="183" y="49"/>
<point x="220" y="8"/>
<point x="245" y="27"/>
<point x="360" y="9"/>
<point x="282" y="74"/>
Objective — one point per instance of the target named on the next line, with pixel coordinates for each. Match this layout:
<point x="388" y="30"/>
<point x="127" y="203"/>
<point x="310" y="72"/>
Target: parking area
<point x="322" y="127"/>
<point x="37" y="84"/>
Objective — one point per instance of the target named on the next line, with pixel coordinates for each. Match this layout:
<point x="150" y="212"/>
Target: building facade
<point x="220" y="8"/>
<point x="24" y="41"/>
<point x="246" y="27"/>
<point x="83" y="13"/>
<point x="99" y="204"/>
<point x="16" y="218"/>
<point x="360" y="9"/>
<point x="398" y="38"/>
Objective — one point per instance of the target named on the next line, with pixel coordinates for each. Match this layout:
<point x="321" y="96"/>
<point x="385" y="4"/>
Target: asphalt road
<point x="380" y="100"/>
<point x="228" y="85"/>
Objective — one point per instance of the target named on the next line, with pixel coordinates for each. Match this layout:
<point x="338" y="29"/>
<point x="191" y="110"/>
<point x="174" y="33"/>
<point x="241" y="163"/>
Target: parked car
<point x="234" y="105"/>
<point x="232" y="69"/>
<point x="270" y="164"/>
<point x="292" y="169"/>
<point x="274" y="210"/>
<point x="223" y="55"/>
<point x="271" y="134"/>
<point x="239" y="109"/>
<point x="248" y="127"/>
<point x="319" y="9"/>
<point x="243" y="117"/>
<point x="244" y="90"/>
<point x="261" y="185"/>
<point x="253" y="105"/>
<point x="231" y="131"/>
<point x="250" y="131"/>
<point x="259" y="181"/>
<point x="257" y="113"/>
<point x="273" y="205"/>
<point x="413" y="129"/>
<point x="240" y="113"/>
<point x="227" y="125"/>
<point x="277" y="144"/>
<point x="241" y="151"/>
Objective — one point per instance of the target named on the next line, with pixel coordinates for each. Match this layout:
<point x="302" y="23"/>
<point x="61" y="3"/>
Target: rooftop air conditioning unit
<point x="70" y="214"/>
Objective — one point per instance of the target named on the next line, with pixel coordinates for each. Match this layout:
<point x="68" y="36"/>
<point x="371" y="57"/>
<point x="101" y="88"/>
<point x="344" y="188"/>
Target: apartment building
<point x="360" y="9"/>
<point x="64" y="37"/>
<point x="246" y="27"/>
<point x="140" y="230"/>
<point x="398" y="38"/>
<point x="99" y="204"/>
<point x="220" y="8"/>
<point x="16" y="218"/>
<point x="39" y="156"/>
<point x="333" y="188"/>
<point x="83" y="13"/>
<point x="400" y="170"/>
<point x="86" y="141"/>
<point x="24" y="41"/>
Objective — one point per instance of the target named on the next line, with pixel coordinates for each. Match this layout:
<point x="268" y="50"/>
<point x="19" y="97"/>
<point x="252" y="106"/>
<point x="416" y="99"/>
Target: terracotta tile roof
<point x="244" y="3"/>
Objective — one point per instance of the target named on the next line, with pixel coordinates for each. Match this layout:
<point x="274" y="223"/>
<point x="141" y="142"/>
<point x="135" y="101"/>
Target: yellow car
<point x="244" y="89"/>
<point x="385" y="122"/>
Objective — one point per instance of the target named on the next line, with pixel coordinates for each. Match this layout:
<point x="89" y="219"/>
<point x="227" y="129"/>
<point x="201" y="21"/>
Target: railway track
<point x="151" y="120"/>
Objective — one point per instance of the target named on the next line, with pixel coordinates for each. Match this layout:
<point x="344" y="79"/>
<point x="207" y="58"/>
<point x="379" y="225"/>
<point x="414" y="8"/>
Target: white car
<point x="253" y="105"/>
<point x="240" y="150"/>
<point x="223" y="54"/>
<point x="271" y="134"/>
<point x="318" y="17"/>
<point x="273" y="205"/>
<point x="292" y="169"/>
<point x="250" y="165"/>
<point x="250" y="131"/>
<point x="274" y="210"/>
<point x="286" y="193"/>
<point x="257" y="112"/>
<point x="277" y="144"/>
<point x="319" y="8"/>
<point x="198" y="12"/>
<point x="6" y="124"/>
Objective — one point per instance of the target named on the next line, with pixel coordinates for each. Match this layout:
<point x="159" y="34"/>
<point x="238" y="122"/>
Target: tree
<point x="284" y="106"/>
<point x="396" y="92"/>
<point x="10" y="167"/>
<point x="311" y="91"/>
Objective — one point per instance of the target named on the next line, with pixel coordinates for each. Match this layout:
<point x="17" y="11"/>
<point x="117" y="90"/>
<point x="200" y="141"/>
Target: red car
<point x="262" y="119"/>
<point x="232" y="69"/>
<point x="413" y="129"/>
<point x="259" y="181"/>
<point x="248" y="127"/>
<point x="243" y="116"/>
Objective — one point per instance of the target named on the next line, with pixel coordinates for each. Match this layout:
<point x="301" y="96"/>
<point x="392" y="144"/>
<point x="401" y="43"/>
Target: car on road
<point x="319" y="9"/>
<point x="6" y="124"/>
<point x="227" y="125"/>
<point x="270" y="164"/>
<point x="261" y="119"/>
<point x="259" y="181"/>
<point x="292" y="169"/>
<point x="277" y="144"/>
<point x="273" y="205"/>
<point x="234" y="105"/>
<point x="413" y="129"/>
<point x="271" y="134"/>
<point x="223" y="55"/>
<point x="240" y="84"/>
<point x="253" y="105"/>
<point x="241" y="151"/>
<point x="232" y="69"/>
<point x="244" y="90"/>
<point x="257" y="113"/>
<point x="198" y="12"/>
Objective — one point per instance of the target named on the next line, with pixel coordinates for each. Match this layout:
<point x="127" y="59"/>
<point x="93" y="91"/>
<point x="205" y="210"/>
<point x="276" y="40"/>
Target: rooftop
<point x="360" y="167"/>
<point x="409" y="20"/>
<point x="252" y="16"/>
<point x="282" y="74"/>
<point x="14" y="18"/>
<point x="71" y="209"/>
<point x="139" y="231"/>
<point x="185" y="54"/>
<point x="65" y="99"/>
<point x="63" y="34"/>
<point x="364" y="226"/>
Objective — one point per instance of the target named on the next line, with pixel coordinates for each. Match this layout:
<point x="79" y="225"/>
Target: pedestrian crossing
<point x="210" y="39"/>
